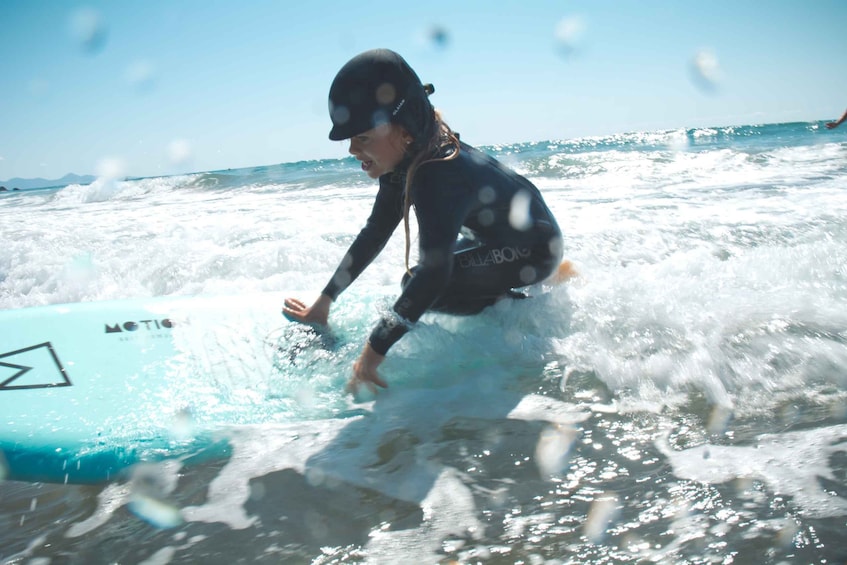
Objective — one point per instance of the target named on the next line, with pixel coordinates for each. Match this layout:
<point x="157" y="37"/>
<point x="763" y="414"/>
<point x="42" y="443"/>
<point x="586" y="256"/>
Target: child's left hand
<point x="365" y="371"/>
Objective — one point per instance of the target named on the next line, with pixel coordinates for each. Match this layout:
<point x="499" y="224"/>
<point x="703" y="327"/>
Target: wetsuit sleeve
<point x="442" y="200"/>
<point x="386" y="214"/>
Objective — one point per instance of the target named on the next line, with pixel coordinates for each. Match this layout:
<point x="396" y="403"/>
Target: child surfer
<point x="483" y="229"/>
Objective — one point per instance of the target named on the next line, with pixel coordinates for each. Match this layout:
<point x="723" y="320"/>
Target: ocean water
<point x="683" y="400"/>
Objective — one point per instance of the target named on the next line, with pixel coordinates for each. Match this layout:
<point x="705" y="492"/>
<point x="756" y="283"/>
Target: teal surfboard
<point x="88" y="389"/>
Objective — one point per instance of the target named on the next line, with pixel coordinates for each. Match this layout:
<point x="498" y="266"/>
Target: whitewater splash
<point x="683" y="400"/>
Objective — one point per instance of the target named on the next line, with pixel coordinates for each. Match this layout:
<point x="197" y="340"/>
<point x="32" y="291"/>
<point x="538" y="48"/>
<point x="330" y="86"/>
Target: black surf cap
<point x="378" y="87"/>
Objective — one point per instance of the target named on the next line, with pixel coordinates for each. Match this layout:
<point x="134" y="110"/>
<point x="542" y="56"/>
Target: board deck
<point x="88" y="389"/>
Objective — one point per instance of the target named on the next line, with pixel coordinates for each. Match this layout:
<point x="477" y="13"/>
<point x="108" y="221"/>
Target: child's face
<point x="380" y="149"/>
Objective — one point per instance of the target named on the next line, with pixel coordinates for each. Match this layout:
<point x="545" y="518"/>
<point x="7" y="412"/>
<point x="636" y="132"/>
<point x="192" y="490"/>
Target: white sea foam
<point x="789" y="463"/>
<point x="710" y="302"/>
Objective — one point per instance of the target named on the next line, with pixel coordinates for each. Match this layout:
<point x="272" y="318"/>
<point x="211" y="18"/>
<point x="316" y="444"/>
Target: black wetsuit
<point x="483" y="230"/>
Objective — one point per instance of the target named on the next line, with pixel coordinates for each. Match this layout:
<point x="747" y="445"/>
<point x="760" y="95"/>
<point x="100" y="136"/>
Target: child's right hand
<point x="316" y="314"/>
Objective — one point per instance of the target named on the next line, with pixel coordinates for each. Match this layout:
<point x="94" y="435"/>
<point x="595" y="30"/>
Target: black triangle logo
<point x="36" y="366"/>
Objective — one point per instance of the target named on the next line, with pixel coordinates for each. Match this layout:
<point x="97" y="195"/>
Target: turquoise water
<point x="682" y="401"/>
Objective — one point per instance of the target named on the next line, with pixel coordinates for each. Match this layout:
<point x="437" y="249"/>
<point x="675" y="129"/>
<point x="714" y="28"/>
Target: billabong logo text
<point x="493" y="257"/>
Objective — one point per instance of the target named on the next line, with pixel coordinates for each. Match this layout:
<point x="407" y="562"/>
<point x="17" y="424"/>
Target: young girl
<point x="483" y="229"/>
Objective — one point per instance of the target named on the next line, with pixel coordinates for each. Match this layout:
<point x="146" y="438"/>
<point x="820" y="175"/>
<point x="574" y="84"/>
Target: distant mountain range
<point x="24" y="184"/>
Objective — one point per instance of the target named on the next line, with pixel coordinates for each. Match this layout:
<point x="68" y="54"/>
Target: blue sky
<point x="162" y="87"/>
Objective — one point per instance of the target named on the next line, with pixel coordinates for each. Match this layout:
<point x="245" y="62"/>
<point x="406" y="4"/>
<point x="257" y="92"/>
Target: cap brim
<point x="339" y="133"/>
